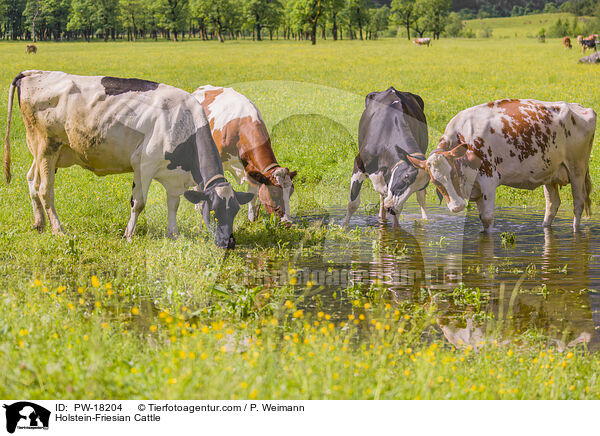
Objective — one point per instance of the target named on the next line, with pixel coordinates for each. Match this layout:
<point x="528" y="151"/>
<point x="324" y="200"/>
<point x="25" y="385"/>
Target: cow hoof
<point x="39" y="227"/>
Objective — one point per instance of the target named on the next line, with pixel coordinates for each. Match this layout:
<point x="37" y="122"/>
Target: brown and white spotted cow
<point x="517" y="143"/>
<point x="567" y="42"/>
<point x="422" y="41"/>
<point x="241" y="136"/>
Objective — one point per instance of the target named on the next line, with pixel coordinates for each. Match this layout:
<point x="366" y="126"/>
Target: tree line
<point x="43" y="20"/>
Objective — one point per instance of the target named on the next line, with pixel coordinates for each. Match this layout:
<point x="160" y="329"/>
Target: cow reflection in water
<point x="397" y="264"/>
<point x="551" y="299"/>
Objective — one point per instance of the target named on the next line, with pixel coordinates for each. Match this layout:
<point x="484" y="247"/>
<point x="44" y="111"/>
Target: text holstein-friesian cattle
<point x="111" y="125"/>
<point x="391" y="132"/>
<point x="517" y="143"/>
<point x="242" y="138"/>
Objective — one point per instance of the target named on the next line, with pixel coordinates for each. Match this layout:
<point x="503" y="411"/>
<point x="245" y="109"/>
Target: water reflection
<point x="542" y="284"/>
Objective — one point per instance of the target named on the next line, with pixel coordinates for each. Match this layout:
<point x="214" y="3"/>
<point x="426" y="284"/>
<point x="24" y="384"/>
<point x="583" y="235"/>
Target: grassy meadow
<point x="526" y="26"/>
<point x="88" y="315"/>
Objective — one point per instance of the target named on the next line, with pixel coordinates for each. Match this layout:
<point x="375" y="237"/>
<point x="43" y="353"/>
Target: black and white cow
<point x="110" y="125"/>
<point x="392" y="128"/>
<point x="518" y="143"/>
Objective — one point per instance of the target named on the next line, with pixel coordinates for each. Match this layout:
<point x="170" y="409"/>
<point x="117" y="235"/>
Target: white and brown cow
<point x="517" y="143"/>
<point x="111" y="125"/>
<point x="422" y="41"/>
<point x="242" y="138"/>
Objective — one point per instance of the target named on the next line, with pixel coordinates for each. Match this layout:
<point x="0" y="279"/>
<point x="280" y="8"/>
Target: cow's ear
<point x="458" y="151"/>
<point x="244" y="197"/>
<point x="195" y="196"/>
<point x="293" y="174"/>
<point x="417" y="163"/>
<point x="259" y="177"/>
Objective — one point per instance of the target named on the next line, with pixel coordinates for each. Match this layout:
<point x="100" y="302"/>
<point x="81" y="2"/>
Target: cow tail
<point x="11" y="95"/>
<point x="587" y="204"/>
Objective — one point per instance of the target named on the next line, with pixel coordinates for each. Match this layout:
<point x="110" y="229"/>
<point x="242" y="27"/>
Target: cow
<point x="567" y="42"/>
<point x="392" y="128"/>
<point x="242" y="138"/>
<point x="111" y="125"/>
<point x="422" y="41"/>
<point x="518" y="143"/>
<point x="579" y="39"/>
<point x="30" y="48"/>
<point x="588" y="44"/>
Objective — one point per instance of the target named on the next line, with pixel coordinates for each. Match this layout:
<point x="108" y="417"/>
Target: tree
<point x="334" y="7"/>
<point x="454" y="25"/>
<point x="82" y="18"/>
<point x="107" y="14"/>
<point x="378" y="21"/>
<point x="173" y="16"/>
<point x="263" y="13"/>
<point x="309" y="12"/>
<point x="403" y="12"/>
<point x="219" y="13"/>
<point x="130" y="16"/>
<point x="435" y="15"/>
<point x="358" y="13"/>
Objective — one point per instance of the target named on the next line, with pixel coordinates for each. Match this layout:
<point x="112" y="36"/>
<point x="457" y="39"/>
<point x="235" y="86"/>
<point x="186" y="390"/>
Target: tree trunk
<point x="313" y="33"/>
<point x="334" y="27"/>
<point x="258" y="32"/>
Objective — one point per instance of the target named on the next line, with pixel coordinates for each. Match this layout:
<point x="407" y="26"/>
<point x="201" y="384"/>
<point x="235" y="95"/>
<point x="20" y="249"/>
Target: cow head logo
<point x="26" y="415"/>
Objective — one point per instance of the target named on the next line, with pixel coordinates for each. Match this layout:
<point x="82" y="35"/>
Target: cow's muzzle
<point x="227" y="243"/>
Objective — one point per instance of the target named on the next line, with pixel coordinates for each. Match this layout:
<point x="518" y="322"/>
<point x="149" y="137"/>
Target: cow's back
<point x="392" y="118"/>
<point x="523" y="143"/>
<point x="237" y="127"/>
<point x="101" y="121"/>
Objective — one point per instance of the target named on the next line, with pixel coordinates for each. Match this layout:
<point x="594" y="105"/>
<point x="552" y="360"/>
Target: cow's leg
<point x="254" y="205"/>
<point x="485" y="205"/>
<point x="46" y="167"/>
<point x="172" y="206"/>
<point x="381" y="209"/>
<point x="421" y="200"/>
<point x="552" y="203"/>
<point x="139" y="192"/>
<point x="578" y="190"/>
<point x="33" y="180"/>
<point x="395" y="218"/>
<point x="356" y="182"/>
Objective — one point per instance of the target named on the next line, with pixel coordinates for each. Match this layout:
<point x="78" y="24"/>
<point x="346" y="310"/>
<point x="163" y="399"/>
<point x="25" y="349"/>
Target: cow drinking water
<point x="242" y="138"/>
<point x="518" y="143"/>
<point x="111" y="125"/>
<point x="392" y="129"/>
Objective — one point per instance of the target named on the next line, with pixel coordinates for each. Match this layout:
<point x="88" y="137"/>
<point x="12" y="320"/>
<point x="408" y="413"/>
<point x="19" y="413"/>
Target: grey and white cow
<point x="110" y="125"/>
<point x="392" y="130"/>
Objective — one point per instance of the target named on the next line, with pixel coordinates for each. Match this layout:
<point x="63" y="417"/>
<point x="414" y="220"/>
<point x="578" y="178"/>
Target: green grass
<point x="311" y="98"/>
<point x="526" y="26"/>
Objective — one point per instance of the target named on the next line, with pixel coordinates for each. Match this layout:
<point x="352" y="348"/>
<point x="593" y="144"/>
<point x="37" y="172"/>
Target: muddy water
<point x="542" y="283"/>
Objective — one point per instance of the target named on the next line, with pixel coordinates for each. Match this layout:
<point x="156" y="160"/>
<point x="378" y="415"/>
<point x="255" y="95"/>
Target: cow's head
<point x="442" y="168"/>
<point x="224" y="202"/>
<point x="408" y="176"/>
<point x="276" y="188"/>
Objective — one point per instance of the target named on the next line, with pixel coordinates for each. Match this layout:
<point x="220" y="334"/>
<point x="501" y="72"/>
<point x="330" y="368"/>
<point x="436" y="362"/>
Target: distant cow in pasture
<point x="422" y="41"/>
<point x="392" y="129"/>
<point x="518" y="143"/>
<point x="567" y="42"/>
<point x="588" y="44"/>
<point x="242" y="138"/>
<point x="110" y="125"/>
<point x="30" y="48"/>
